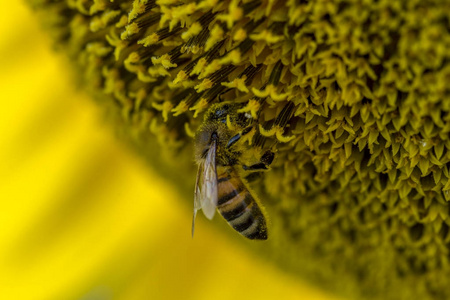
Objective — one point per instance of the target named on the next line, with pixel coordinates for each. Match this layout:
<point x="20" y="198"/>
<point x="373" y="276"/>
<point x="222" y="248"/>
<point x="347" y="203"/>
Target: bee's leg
<point x="233" y="140"/>
<point x="256" y="167"/>
<point x="237" y="137"/>
<point x="264" y="163"/>
<point x="256" y="170"/>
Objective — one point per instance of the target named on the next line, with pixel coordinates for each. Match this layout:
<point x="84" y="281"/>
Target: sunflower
<point x="353" y="97"/>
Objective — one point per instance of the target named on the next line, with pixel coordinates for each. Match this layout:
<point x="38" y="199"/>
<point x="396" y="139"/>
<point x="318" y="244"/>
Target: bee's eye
<point x="220" y="113"/>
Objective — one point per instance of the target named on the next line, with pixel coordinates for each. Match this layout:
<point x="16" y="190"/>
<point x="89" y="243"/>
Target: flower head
<point x="354" y="97"/>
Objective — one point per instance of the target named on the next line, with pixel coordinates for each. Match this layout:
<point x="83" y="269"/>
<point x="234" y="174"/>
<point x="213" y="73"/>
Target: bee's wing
<point x="197" y="202"/>
<point x="208" y="186"/>
<point x="197" y="192"/>
<point x="205" y="194"/>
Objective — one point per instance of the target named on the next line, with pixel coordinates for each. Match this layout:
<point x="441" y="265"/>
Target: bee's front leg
<point x="238" y="136"/>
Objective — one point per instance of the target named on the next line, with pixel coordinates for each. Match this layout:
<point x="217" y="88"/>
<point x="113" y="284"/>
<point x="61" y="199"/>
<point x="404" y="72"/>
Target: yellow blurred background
<point x="82" y="217"/>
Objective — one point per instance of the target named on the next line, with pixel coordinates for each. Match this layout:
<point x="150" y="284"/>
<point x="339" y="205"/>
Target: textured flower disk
<point x="355" y="93"/>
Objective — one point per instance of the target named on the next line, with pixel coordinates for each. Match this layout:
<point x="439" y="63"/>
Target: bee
<point x="219" y="183"/>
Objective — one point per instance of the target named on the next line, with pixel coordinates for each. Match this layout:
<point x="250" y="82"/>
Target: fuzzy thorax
<point x="203" y="139"/>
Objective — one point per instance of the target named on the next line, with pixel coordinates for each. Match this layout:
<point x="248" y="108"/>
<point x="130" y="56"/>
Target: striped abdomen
<point x="237" y="205"/>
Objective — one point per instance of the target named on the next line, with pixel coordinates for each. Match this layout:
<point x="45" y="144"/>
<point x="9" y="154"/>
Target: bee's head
<point x="221" y="111"/>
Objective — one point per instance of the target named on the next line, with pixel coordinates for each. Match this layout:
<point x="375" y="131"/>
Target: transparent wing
<point x="197" y="202"/>
<point x="205" y="194"/>
<point x="208" y="188"/>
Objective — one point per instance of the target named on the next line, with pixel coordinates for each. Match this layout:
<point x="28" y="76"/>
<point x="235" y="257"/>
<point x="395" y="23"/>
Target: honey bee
<point x="219" y="182"/>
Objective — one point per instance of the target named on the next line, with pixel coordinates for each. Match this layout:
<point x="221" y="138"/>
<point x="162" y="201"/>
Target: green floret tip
<point x="354" y="96"/>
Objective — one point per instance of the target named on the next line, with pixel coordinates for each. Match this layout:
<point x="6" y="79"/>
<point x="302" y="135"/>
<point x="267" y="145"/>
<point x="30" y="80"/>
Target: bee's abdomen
<point x="239" y="208"/>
